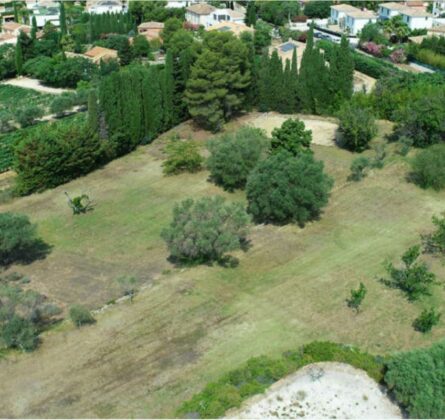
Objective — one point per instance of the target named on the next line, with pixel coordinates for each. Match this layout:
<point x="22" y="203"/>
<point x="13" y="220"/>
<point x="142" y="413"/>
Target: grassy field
<point x="189" y="325"/>
<point x="13" y="98"/>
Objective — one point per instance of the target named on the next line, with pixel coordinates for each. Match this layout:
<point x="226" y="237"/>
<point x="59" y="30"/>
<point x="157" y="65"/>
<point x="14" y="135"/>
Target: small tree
<point x="128" y="285"/>
<point x="426" y="320"/>
<point x="27" y="116"/>
<point x="435" y="243"/>
<point x="287" y="189"/>
<point x="413" y="277"/>
<point x="234" y="155"/>
<point x="358" y="168"/>
<point x="357" y="127"/>
<point x="357" y="297"/>
<point x="206" y="229"/>
<point x="182" y="156"/>
<point x="81" y="316"/>
<point x="17" y="237"/>
<point x="428" y="167"/>
<point x="291" y="136"/>
<point x="79" y="204"/>
<point x="60" y="104"/>
<point x="20" y="333"/>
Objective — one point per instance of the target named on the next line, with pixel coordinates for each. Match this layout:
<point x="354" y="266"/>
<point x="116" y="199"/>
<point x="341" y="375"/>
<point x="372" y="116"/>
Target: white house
<point x="356" y="20"/>
<point x="206" y="15"/>
<point x="338" y="13"/>
<point x="46" y="14"/>
<point x="438" y="7"/>
<point x="389" y="10"/>
<point x="106" y="6"/>
<point x="417" y="19"/>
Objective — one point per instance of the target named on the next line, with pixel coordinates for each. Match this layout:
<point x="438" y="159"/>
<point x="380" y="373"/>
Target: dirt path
<point x="28" y="83"/>
<point x="322" y="390"/>
<point x="323" y="128"/>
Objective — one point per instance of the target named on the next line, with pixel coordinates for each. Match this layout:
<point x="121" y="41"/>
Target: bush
<point x="398" y="56"/>
<point x="18" y="237"/>
<point x="291" y="136"/>
<point x="61" y="103"/>
<point x="54" y="154"/>
<point x="413" y="278"/>
<point x="426" y="320"/>
<point x="417" y="380"/>
<point x="205" y="230"/>
<point x="27" y="116"/>
<point x="182" y="156"/>
<point x="428" y="167"/>
<point x="287" y="189"/>
<point x="258" y="373"/>
<point x="20" y="333"/>
<point x="435" y="242"/>
<point x="234" y="155"/>
<point x="357" y="297"/>
<point x="80" y="315"/>
<point x="357" y="127"/>
<point x="373" y="48"/>
<point x="358" y="168"/>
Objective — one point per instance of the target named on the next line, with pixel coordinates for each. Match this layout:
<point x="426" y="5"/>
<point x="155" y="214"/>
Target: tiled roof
<point x="201" y="9"/>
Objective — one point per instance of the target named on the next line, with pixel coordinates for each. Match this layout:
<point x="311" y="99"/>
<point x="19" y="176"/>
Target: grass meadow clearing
<point x="189" y="325"/>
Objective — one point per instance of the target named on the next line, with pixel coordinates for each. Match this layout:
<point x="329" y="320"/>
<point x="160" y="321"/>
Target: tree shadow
<point x="38" y="250"/>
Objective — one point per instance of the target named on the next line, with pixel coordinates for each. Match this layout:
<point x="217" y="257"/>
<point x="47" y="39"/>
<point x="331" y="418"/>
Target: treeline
<point x="106" y="23"/>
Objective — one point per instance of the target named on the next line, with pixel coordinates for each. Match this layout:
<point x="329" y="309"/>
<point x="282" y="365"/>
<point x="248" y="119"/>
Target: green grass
<point x="13" y="98"/>
<point x="190" y="326"/>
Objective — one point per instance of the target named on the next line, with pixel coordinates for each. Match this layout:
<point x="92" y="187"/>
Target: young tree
<point x="292" y="136"/>
<point x="357" y="127"/>
<point x="287" y="189"/>
<point x="426" y="320"/>
<point x="250" y="19"/>
<point x="435" y="242"/>
<point x="34" y="28"/>
<point x="128" y="286"/>
<point x="358" y="168"/>
<point x="205" y="230"/>
<point x="357" y="297"/>
<point x="81" y="316"/>
<point x="62" y="19"/>
<point x="60" y="104"/>
<point x="234" y="155"/>
<point x="182" y="156"/>
<point x="19" y="58"/>
<point x="413" y="278"/>
<point x="428" y="167"/>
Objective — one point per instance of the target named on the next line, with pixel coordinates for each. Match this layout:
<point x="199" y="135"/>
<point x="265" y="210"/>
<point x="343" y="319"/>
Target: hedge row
<point x="260" y="372"/>
<point x="371" y="66"/>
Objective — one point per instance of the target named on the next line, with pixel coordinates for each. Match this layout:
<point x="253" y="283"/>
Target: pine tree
<point x="251" y="13"/>
<point x="34" y="28"/>
<point x="168" y="93"/>
<point x="19" y="57"/>
<point x="152" y="104"/>
<point x="62" y="19"/>
<point x="93" y="114"/>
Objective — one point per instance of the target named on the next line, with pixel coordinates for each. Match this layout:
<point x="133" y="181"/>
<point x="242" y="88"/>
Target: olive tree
<point x="206" y="229"/>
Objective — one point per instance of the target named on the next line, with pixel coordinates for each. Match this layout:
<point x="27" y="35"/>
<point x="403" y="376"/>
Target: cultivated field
<point x="190" y="325"/>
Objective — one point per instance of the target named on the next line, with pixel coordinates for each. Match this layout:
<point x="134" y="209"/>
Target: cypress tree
<point x="275" y="88"/>
<point x="168" y="93"/>
<point x="93" y="114"/>
<point x="34" y="28"/>
<point x="16" y="11"/>
<point x="263" y="83"/>
<point x="294" y="81"/>
<point x="19" y="57"/>
<point x="286" y="105"/>
<point x="62" y="19"/>
<point x="304" y="86"/>
<point x="251" y="13"/>
<point x="342" y="72"/>
<point x="152" y="104"/>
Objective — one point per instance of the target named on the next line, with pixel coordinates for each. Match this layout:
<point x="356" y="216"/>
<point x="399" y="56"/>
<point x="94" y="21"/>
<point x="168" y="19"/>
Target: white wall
<point x="418" y="22"/>
<point x="385" y="13"/>
<point x="356" y="25"/>
<point x="42" y="19"/>
<point x="98" y="10"/>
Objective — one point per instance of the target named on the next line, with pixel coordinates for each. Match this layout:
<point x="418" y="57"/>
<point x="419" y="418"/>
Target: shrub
<point x="404" y="145"/>
<point x="287" y="189"/>
<point x="426" y="320"/>
<point x="413" y="278"/>
<point x="398" y="56"/>
<point x="291" y="136"/>
<point x="17" y="237"/>
<point x="20" y="333"/>
<point x="27" y="116"/>
<point x="61" y="103"/>
<point x="80" y="315"/>
<point x="435" y="242"/>
<point x="206" y="229"/>
<point x="357" y="297"/>
<point x="234" y="155"/>
<point x="372" y="48"/>
<point x="182" y="156"/>
<point x="428" y="167"/>
<point x="417" y="380"/>
<point x="54" y="154"/>
<point x="357" y="127"/>
<point x="358" y="168"/>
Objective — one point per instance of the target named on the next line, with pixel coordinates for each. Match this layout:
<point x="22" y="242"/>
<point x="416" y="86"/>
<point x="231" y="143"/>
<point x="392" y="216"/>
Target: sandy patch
<point x="363" y="82"/>
<point x="323" y="129"/>
<point x="28" y="83"/>
<point x="321" y="390"/>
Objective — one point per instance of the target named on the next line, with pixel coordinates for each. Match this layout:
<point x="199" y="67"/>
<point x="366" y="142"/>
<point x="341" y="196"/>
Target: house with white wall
<point x="417" y="18"/>
<point x="438" y="7"/>
<point x="106" y="6"/>
<point x="338" y="13"/>
<point x="356" y="20"/>
<point x="389" y="10"/>
<point x="206" y="15"/>
<point x="47" y="14"/>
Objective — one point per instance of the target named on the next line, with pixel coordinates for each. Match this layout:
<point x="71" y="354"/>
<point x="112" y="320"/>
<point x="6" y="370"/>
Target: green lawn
<point x="190" y="325"/>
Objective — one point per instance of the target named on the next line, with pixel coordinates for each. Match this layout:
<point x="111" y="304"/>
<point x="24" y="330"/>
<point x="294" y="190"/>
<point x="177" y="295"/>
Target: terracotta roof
<point x="6" y="37"/>
<point x="414" y="3"/>
<point x="362" y="14"/>
<point x="13" y="26"/>
<point x="151" y="25"/>
<point x="96" y="52"/>
<point x="439" y="29"/>
<point x="344" y="8"/>
<point x="416" y="13"/>
<point x="200" y="9"/>
<point x="393" y="6"/>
